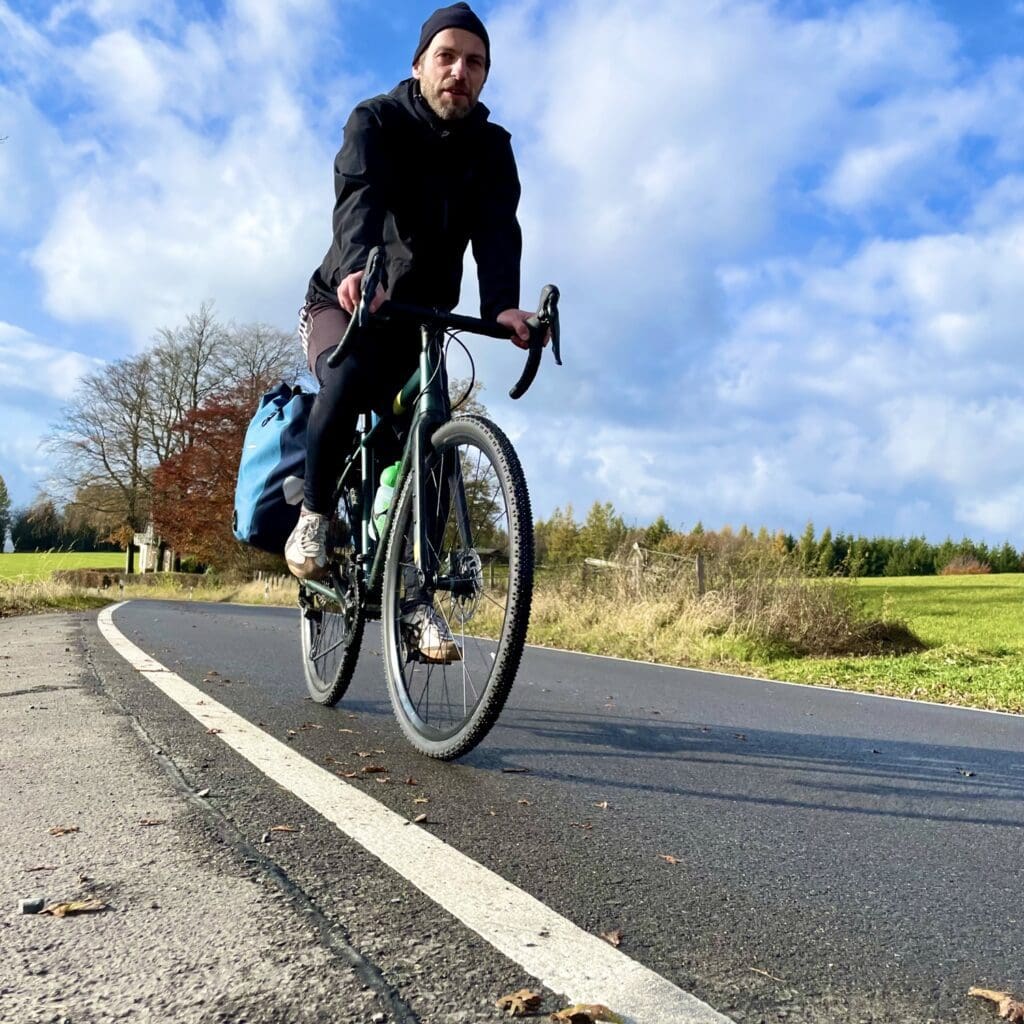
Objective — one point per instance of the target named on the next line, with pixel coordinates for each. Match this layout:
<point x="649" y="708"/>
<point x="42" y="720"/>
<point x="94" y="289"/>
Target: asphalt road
<point x="840" y="857"/>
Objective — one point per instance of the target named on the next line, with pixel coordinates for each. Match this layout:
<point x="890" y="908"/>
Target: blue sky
<point x="789" y="235"/>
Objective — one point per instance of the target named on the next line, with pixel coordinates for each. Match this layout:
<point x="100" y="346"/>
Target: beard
<point x="443" y="104"/>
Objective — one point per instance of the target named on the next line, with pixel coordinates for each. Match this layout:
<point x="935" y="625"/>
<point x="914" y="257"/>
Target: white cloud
<point x="791" y="283"/>
<point x="30" y="365"/>
<point x="195" y="171"/>
<point x="35" y="379"/>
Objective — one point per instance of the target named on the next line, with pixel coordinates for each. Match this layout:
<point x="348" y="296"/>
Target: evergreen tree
<point x="559" y="537"/>
<point x="603" y="532"/>
<point x="825" y="564"/>
<point x="656" y="533"/>
<point x="807" y="550"/>
<point x="1006" y="559"/>
<point x="856" y="560"/>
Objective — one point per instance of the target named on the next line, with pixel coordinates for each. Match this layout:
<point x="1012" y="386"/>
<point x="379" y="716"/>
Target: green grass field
<point x="974" y="629"/>
<point x="25" y="568"/>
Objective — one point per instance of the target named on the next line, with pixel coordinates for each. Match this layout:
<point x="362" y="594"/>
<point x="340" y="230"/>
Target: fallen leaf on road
<point x="1006" y="1006"/>
<point x="614" y="938"/>
<point x="384" y="780"/>
<point x="351" y="732"/>
<point x="309" y="725"/>
<point x="965" y="773"/>
<point x="63" y="830"/>
<point x="214" y="731"/>
<point x="668" y="858"/>
<point x="75" y="907"/>
<point x="43" y="867"/>
<point x="585" y="825"/>
<point x="422" y="800"/>
<point x="585" y="1013"/>
<point x="213" y="672"/>
<point x="741" y="736"/>
<point x="419" y="819"/>
<point x="603" y="805"/>
<point x="524" y="803"/>
<point x="349" y="775"/>
<point x="203" y="792"/>
<point x="519" y="1004"/>
<point x="283" y="828"/>
<point x="147" y="822"/>
<point x="373" y="769"/>
<point x="363" y="753"/>
<point x="411" y="781"/>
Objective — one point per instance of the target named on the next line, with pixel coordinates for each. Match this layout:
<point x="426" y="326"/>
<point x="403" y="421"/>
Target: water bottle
<point x="382" y="500"/>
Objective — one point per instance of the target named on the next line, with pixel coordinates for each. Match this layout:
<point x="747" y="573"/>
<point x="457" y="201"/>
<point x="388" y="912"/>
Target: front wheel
<point x="480" y="537"/>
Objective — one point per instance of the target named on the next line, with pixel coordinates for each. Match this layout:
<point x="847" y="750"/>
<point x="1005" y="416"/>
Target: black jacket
<point x="426" y="188"/>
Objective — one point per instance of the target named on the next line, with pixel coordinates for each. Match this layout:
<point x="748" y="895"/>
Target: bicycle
<point x="458" y="533"/>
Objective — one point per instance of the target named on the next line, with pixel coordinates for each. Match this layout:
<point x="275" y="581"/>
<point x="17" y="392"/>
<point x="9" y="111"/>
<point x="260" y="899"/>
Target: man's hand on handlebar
<point x="515" y="320"/>
<point x="348" y="293"/>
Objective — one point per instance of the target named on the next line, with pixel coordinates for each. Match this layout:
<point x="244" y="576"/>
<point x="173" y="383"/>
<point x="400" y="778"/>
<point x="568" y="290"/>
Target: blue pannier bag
<point x="269" y="488"/>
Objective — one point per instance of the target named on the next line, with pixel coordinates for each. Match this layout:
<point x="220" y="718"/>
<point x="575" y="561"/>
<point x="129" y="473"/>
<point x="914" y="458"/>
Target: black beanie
<point x="455" y="16"/>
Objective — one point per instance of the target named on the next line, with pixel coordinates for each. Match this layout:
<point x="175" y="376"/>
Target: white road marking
<point x="566" y="959"/>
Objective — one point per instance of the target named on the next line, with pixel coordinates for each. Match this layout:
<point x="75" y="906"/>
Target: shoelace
<point x="312" y="535"/>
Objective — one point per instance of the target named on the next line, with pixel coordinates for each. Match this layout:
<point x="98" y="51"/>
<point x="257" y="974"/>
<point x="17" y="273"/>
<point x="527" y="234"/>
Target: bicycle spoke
<point x="471" y="527"/>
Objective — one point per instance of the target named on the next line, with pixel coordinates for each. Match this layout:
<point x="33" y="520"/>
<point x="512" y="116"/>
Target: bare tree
<point x="103" y="442"/>
<point x="184" y="374"/>
<point x="135" y="414"/>
<point x="255" y="357"/>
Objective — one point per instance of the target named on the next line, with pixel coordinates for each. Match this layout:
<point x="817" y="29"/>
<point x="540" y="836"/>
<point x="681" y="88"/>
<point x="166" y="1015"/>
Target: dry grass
<point x="756" y="608"/>
<point x="22" y="598"/>
<point x="965" y="565"/>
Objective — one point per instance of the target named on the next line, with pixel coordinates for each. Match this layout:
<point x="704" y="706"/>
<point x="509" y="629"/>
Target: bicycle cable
<point x="454" y="336"/>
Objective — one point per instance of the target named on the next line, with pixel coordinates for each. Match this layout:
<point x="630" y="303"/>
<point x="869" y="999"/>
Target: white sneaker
<point x="306" y="549"/>
<point x="426" y="632"/>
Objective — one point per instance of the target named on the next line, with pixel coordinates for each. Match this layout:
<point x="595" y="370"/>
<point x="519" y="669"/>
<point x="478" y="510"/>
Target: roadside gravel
<point x="194" y="930"/>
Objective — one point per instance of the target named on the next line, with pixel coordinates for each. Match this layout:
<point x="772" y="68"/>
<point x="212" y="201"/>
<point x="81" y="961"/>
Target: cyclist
<point x="424" y="172"/>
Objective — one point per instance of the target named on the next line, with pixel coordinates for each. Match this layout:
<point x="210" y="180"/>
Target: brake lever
<point x="374" y="275"/>
<point x="543" y="321"/>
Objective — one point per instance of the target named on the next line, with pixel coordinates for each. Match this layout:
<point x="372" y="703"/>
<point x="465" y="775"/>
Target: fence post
<point x="638" y="563"/>
<point x="701" y="581"/>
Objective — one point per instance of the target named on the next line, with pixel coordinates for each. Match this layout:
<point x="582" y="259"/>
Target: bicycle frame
<point x="431" y="407"/>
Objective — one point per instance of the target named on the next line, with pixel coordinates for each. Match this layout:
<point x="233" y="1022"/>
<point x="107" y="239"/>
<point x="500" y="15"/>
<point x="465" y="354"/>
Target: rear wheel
<point x="481" y="540"/>
<point x="331" y="630"/>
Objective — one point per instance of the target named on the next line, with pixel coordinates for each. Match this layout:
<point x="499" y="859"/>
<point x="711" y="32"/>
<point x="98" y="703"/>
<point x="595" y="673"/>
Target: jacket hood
<point x="408" y="94"/>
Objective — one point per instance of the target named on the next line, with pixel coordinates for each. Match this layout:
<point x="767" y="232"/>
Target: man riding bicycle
<point x="425" y="173"/>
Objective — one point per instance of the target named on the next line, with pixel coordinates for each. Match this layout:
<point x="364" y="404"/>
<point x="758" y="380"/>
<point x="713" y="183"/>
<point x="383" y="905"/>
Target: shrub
<point x="965" y="565"/>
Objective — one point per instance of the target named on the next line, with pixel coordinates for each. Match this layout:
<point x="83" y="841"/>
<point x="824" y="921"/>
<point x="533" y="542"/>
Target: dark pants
<point x="374" y="370"/>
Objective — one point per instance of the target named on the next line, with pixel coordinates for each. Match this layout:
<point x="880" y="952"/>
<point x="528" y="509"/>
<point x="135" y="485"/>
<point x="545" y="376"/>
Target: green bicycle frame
<point x="431" y="407"/>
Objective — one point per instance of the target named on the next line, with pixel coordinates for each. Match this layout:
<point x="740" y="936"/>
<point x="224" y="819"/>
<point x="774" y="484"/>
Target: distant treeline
<point x="604" y="534"/>
<point x="43" y="527"/>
